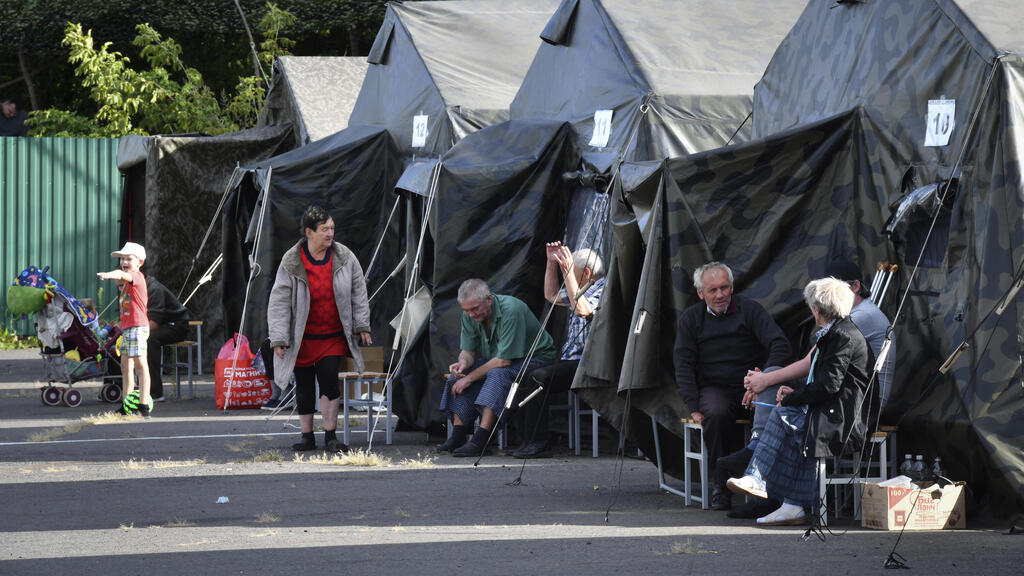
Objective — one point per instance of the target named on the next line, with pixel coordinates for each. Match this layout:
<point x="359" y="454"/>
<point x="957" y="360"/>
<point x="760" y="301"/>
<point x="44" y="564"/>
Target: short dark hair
<point x="313" y="217"/>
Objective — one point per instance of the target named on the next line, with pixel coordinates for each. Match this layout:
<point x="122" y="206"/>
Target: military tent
<point x="437" y="72"/>
<point x="172" y="186"/>
<point x="314" y="94"/>
<point x="883" y="131"/>
<point x="614" y="80"/>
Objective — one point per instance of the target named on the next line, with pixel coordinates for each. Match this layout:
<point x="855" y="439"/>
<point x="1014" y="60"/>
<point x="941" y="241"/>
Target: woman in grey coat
<point x="317" y="308"/>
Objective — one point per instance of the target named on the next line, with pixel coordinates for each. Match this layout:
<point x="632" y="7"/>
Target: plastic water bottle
<point x="938" y="474"/>
<point x="907" y="467"/>
<point x="920" y="472"/>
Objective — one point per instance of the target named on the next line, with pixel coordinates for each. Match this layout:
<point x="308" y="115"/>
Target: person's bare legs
<point x="329" y="412"/>
<point x="142" y="367"/>
<point x="127" y="376"/>
<point x="488" y="418"/>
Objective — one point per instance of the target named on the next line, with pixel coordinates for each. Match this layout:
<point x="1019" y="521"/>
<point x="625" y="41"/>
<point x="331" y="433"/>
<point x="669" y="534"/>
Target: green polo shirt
<point x="513" y="329"/>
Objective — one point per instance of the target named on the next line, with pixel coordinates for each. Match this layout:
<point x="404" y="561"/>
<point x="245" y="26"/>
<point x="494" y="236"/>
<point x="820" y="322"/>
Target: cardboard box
<point x="373" y="358"/>
<point x="890" y="508"/>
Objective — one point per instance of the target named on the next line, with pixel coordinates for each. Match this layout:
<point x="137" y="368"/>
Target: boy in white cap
<point x="134" y="327"/>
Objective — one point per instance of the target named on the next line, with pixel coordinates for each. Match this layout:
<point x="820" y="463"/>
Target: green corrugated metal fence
<point x="60" y="203"/>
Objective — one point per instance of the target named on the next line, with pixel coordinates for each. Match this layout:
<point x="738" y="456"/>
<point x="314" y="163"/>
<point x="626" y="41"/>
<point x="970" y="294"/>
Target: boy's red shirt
<point x="134" y="302"/>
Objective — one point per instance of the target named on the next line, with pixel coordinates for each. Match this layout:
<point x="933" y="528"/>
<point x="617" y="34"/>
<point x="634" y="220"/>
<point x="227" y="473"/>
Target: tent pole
<point x="254" y="270"/>
<point x="209" y="230"/>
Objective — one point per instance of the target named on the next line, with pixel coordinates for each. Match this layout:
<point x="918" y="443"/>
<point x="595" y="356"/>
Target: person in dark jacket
<point x="717" y="342"/>
<point x="827" y="416"/>
<point x="168" y="323"/>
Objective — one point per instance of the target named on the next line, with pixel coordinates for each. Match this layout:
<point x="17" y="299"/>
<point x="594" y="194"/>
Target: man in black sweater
<point x="168" y="323"/>
<point x="717" y="342"/>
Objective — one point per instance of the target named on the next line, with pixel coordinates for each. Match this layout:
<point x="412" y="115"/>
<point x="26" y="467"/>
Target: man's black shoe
<point x="533" y="450"/>
<point x="720" y="499"/>
<point x="739" y="458"/>
<point x="468" y="450"/>
<point x="756" y="508"/>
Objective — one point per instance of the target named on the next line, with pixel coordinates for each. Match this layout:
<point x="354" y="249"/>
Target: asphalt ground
<point x="137" y="496"/>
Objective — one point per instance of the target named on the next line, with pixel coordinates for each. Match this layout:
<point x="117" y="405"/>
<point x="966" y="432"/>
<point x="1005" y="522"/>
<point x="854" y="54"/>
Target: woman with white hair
<point x="824" y="417"/>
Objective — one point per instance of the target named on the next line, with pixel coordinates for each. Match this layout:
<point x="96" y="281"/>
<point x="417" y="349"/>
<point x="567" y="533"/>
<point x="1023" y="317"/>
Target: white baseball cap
<point x="131" y="249"/>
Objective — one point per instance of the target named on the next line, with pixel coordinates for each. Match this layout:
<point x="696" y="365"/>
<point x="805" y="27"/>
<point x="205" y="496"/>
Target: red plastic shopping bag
<point x="237" y="384"/>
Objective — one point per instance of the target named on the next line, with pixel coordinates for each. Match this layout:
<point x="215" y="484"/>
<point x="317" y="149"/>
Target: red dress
<point x="324" y="335"/>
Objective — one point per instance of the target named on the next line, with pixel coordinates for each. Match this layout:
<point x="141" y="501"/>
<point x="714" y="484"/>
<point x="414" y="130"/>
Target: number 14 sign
<point x="940" y="122"/>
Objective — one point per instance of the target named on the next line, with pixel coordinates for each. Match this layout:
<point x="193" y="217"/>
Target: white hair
<point x="474" y="289"/>
<point x="587" y="258"/>
<point x="831" y="297"/>
<point x="698" y="274"/>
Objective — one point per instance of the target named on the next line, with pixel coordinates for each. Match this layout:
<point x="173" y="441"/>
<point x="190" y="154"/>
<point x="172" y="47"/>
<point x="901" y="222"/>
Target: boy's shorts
<point x="133" y="341"/>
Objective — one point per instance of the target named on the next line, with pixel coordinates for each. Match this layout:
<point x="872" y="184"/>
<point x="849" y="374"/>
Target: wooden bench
<point x="700" y="456"/>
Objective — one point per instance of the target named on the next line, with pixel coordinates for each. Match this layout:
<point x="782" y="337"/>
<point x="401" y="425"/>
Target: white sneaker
<point x="747" y="485"/>
<point x="786" y="515"/>
<point x="158" y="399"/>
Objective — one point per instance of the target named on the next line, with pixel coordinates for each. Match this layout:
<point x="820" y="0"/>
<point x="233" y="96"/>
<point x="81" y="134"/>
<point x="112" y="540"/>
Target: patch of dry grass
<point x="45" y="435"/>
<point x="111" y="418"/>
<point x="268" y="456"/>
<point x="179" y="523"/>
<point x="357" y="457"/>
<point x="55" y="470"/>
<point x="420" y="461"/>
<point x="81" y="424"/>
<point x="141" y="464"/>
<point x="126" y="527"/>
<point x="267" y="518"/>
<point x="178" y="463"/>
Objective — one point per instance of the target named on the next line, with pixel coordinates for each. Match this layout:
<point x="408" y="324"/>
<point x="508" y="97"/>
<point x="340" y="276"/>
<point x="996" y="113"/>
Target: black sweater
<point x="718" y="350"/>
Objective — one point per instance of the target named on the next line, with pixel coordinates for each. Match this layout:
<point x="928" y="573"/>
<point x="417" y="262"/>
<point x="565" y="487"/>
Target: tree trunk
<point x="33" y="101"/>
<point x="353" y="42"/>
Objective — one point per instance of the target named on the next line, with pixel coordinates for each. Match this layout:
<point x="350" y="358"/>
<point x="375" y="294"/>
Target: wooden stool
<point x="365" y="380"/>
<point x="689" y="455"/>
<point x="188" y="346"/>
<point x="840" y="478"/>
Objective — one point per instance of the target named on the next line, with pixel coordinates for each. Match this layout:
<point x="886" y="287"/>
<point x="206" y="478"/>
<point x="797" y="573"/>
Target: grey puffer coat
<point x="289" y="306"/>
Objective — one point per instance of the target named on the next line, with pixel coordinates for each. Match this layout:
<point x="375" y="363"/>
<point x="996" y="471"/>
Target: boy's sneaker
<point x="131" y="403"/>
<point x="145" y="410"/>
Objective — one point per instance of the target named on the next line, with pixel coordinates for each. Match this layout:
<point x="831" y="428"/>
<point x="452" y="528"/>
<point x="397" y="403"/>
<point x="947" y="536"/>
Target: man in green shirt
<point x="497" y="334"/>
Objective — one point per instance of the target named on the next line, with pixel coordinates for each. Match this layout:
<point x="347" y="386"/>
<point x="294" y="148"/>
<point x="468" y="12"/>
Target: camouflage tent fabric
<point x="675" y="76"/>
<point x="671" y="77"/>
<point x="455" y="66"/>
<point x="847" y="165"/>
<point x="315" y="94"/>
<point x="169" y="201"/>
<point x="352" y="174"/>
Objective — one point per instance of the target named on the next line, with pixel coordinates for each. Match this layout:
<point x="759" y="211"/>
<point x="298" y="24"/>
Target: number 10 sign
<point x="940" y="122"/>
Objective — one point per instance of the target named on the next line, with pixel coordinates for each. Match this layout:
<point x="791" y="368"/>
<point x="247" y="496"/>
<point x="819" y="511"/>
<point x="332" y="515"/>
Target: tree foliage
<point x="211" y="35"/>
<point x="168" y="96"/>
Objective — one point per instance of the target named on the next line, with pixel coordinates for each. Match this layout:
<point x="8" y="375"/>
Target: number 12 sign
<point x="940" y="122"/>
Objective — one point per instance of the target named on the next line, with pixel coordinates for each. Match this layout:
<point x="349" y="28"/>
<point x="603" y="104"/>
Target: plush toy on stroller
<point x="73" y="345"/>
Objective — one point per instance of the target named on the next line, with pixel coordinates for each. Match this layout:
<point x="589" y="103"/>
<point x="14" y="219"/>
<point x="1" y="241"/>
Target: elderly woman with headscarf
<point x="318" y="306"/>
<point x="825" y="417"/>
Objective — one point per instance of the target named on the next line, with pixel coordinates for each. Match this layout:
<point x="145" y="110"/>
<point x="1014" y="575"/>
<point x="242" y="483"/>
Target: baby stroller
<point x="73" y="345"/>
